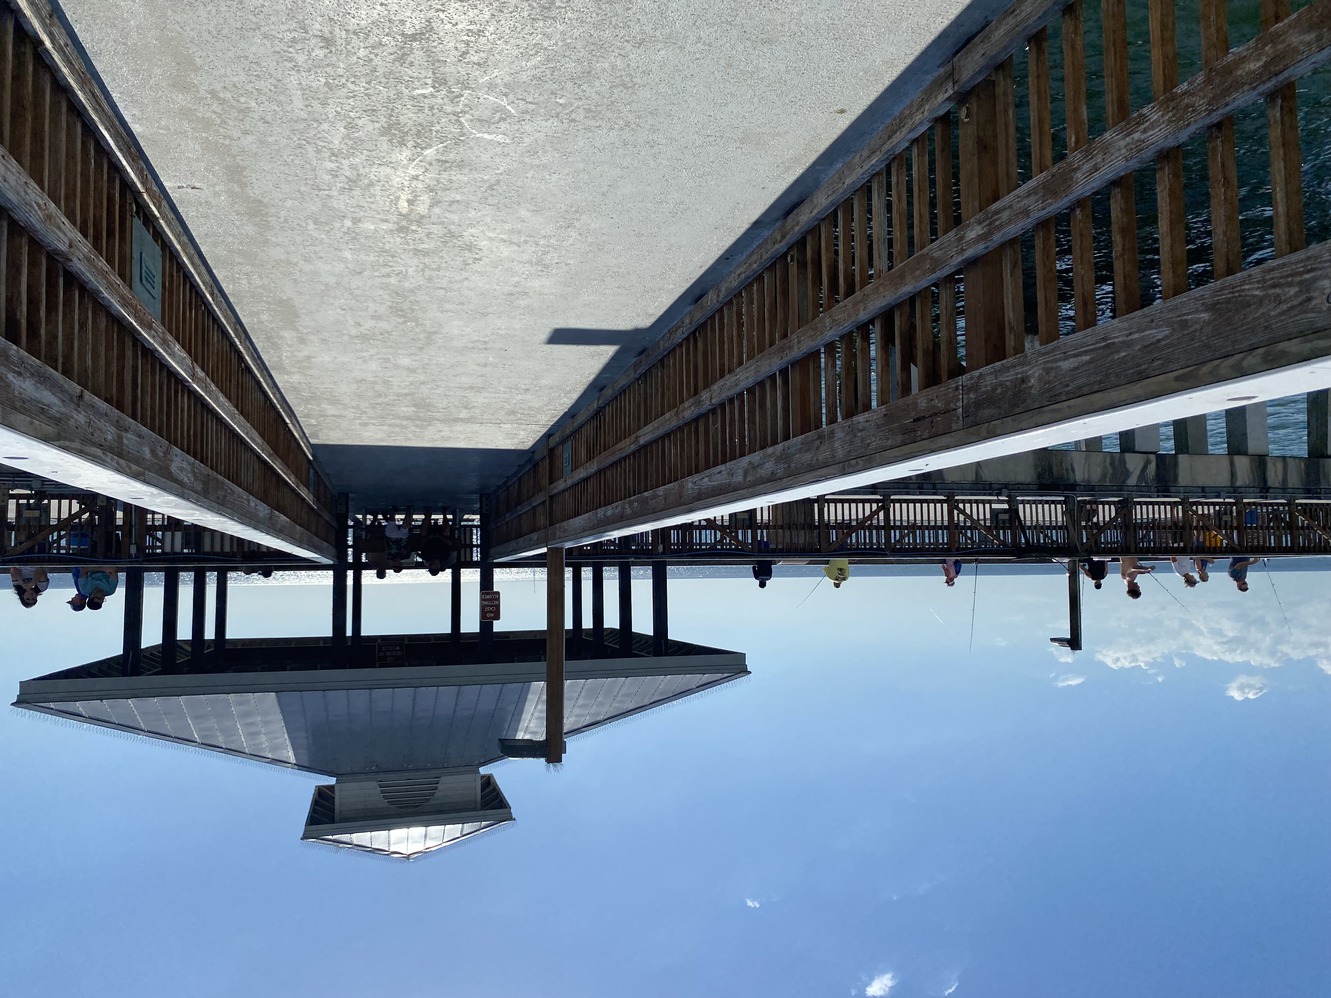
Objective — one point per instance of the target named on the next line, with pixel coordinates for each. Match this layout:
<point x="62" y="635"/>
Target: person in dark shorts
<point x="1095" y="570"/>
<point x="762" y="573"/>
<point x="1238" y="571"/>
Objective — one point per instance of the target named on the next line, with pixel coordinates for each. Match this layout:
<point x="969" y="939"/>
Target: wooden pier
<point x="1013" y="262"/>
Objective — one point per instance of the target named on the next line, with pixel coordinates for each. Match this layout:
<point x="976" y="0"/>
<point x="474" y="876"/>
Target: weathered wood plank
<point x="1222" y="165"/>
<point x="1282" y="123"/>
<point x="904" y="345"/>
<point x="831" y="397"/>
<point x="1172" y="223"/>
<point x="20" y="108"/>
<point x="1042" y="158"/>
<point x="1079" y="136"/>
<point x="7" y="27"/>
<point x="981" y="186"/>
<point x="881" y="213"/>
<point x="947" y="285"/>
<point x="923" y="317"/>
<point x="863" y="372"/>
<point x="1014" y="297"/>
<point x="1122" y="195"/>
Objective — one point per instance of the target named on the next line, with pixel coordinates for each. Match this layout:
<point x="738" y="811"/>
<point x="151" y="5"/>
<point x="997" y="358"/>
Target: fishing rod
<point x="811" y="592"/>
<point x="1171" y="595"/>
<point x="1266" y="564"/>
<point x="975" y="592"/>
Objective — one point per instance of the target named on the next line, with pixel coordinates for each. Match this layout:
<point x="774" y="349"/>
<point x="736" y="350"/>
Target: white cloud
<point x="1065" y="656"/>
<point x="1247" y="688"/>
<point x="881" y="986"/>
<point x="1220" y="625"/>
<point x="1069" y="680"/>
<point x="752" y="903"/>
<point x="955" y="985"/>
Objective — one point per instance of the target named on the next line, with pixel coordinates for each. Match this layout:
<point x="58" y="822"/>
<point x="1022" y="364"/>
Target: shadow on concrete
<point x="882" y="110"/>
<point x="594" y="337"/>
<point x="376" y="474"/>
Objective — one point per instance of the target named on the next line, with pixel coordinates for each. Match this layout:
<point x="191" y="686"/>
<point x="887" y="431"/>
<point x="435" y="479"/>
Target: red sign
<point x="489" y="604"/>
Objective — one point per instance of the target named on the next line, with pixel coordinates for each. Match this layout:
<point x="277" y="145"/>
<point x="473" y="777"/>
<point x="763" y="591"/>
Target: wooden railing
<point x="1073" y="164"/>
<point x="78" y="529"/>
<point x="898" y="528"/>
<point x="72" y="187"/>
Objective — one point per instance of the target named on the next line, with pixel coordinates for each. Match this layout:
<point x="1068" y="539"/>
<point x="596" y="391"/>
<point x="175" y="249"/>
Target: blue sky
<point x="875" y="811"/>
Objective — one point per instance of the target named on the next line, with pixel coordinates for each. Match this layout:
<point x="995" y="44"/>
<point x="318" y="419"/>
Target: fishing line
<point x="975" y="591"/>
<point x="1275" y="592"/>
<point x="811" y="592"/>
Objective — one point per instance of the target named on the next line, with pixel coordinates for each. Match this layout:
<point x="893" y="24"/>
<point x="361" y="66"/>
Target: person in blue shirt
<point x="1238" y="571"/>
<point x="92" y="586"/>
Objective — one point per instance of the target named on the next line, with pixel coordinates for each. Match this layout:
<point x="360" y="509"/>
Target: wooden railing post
<point x="984" y="179"/>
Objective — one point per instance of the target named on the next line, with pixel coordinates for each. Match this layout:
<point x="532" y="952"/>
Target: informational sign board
<point x="146" y="281"/>
<point x="489" y="604"/>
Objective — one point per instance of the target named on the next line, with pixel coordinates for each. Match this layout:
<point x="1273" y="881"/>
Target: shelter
<point x="405" y="732"/>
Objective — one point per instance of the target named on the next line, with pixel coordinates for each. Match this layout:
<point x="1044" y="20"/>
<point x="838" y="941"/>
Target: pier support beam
<point x="455" y="606"/>
<point x="170" y="619"/>
<point x="340" y="568"/>
<point x="1246" y="430"/>
<point x="198" y="617"/>
<point x="625" y="608"/>
<point x="219" y="620"/>
<point x="660" y="609"/>
<point x="132" y="663"/>
<point x="1319" y="424"/>
<point x="1190" y="436"/>
<point x="339" y="631"/>
<point x="598" y="610"/>
<point x="1142" y="440"/>
<point x="1073" y="640"/>
<point x="357" y="594"/>
<point x="575" y="611"/>
<point x="554" y="655"/>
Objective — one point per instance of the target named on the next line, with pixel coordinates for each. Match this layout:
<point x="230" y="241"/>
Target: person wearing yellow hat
<point x="838" y="570"/>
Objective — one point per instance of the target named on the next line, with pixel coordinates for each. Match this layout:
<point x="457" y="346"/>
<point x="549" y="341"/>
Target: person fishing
<point x="838" y="570"/>
<point x="951" y="569"/>
<point x="29" y="583"/>
<point x="1238" y="571"/>
<point x="1181" y="567"/>
<point x="1094" y="569"/>
<point x="1130" y="568"/>
<point x="762" y="573"/>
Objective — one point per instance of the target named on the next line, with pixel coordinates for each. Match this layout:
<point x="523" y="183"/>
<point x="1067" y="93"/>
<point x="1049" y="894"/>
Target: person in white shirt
<point x="29" y="583"/>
